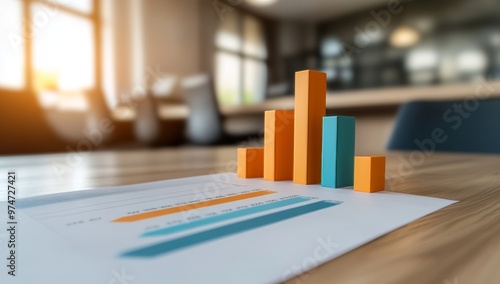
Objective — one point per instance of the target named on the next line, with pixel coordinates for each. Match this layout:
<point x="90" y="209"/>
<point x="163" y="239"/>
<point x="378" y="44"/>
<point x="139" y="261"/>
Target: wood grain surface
<point x="456" y="245"/>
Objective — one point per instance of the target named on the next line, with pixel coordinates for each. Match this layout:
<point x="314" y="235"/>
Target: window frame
<point x="241" y="54"/>
<point x="26" y="7"/>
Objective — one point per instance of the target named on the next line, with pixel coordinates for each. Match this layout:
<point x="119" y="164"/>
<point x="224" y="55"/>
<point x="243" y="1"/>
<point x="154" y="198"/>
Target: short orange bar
<point x="278" y="145"/>
<point x="369" y="173"/>
<point x="310" y="107"/>
<point x="250" y="162"/>
<point x="182" y="208"/>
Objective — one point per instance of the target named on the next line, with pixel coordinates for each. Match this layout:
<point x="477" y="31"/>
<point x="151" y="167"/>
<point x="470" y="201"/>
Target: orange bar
<point x="278" y="145"/>
<point x="250" y="162"/>
<point x="369" y="173"/>
<point x="310" y="107"/>
<point x="182" y="208"/>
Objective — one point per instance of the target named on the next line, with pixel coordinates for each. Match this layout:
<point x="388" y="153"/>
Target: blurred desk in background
<point x="459" y="242"/>
<point x="355" y="101"/>
<point x="374" y="109"/>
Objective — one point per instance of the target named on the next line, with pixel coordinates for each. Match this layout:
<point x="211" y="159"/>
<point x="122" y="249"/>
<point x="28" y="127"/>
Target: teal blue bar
<point x="224" y="231"/>
<point x="225" y="217"/>
<point x="337" y="160"/>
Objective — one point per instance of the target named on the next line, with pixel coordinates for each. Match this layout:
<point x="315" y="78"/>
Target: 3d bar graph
<point x="308" y="147"/>
<point x="337" y="163"/>
<point x="310" y="107"/>
<point x="278" y="145"/>
<point x="369" y="173"/>
<point x="251" y="162"/>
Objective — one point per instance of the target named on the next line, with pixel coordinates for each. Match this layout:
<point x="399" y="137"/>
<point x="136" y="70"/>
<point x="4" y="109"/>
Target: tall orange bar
<point x="278" y="145"/>
<point x="250" y="162"/>
<point x="310" y="107"/>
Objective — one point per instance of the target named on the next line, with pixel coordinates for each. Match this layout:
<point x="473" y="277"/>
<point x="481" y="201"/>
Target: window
<point x="11" y="48"/>
<point x="63" y="49"/>
<point x="59" y="35"/>
<point x="337" y="66"/>
<point x="240" y="60"/>
<point x="83" y="6"/>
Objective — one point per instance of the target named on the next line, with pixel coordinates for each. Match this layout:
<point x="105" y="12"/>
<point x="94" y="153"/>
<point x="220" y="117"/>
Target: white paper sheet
<point x="235" y="231"/>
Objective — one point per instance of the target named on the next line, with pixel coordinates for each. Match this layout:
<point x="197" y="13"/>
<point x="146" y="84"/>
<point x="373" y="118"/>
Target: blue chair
<point x="457" y="126"/>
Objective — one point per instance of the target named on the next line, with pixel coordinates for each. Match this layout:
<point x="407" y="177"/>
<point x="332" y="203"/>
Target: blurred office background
<point x="153" y="73"/>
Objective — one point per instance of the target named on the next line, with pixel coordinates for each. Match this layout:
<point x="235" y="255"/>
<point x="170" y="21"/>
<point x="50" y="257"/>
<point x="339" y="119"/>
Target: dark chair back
<point x="471" y="125"/>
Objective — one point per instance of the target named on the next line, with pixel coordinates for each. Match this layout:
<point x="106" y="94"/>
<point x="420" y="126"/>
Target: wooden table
<point x="456" y="245"/>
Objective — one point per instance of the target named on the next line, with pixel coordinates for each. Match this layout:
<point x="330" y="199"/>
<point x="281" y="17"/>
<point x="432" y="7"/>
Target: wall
<point x="148" y="38"/>
<point x="172" y="36"/>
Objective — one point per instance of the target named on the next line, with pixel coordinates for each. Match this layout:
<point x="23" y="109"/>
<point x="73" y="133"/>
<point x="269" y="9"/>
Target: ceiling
<point x="313" y="10"/>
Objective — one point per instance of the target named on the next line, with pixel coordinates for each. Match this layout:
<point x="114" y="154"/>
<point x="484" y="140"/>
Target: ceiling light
<point x="404" y="37"/>
<point x="262" y="2"/>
